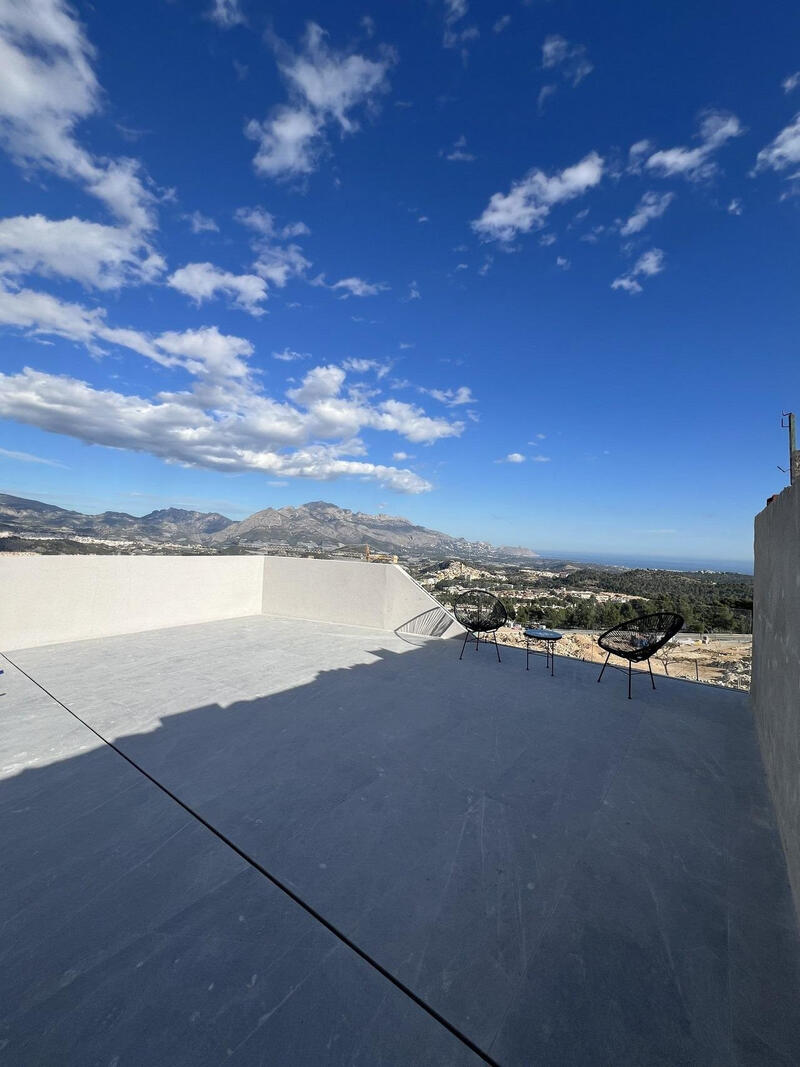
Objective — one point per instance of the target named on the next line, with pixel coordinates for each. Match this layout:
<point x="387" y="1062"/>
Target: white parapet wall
<point x="50" y="599"/>
<point x="775" y="688"/>
<point x="377" y="595"/>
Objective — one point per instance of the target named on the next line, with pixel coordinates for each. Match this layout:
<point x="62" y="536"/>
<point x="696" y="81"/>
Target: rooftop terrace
<point x="316" y="843"/>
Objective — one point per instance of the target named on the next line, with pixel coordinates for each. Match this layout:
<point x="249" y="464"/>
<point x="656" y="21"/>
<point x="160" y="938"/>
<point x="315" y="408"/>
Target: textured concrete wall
<point x="775" y="689"/>
<point x="50" y="599"/>
<point x="380" y="596"/>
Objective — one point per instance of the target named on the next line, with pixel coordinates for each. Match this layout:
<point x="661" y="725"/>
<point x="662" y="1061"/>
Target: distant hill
<point x="319" y="525"/>
<point x="21" y="516"/>
<point x="316" y="526"/>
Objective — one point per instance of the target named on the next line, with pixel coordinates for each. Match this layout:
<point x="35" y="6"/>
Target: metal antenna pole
<point x="794" y="455"/>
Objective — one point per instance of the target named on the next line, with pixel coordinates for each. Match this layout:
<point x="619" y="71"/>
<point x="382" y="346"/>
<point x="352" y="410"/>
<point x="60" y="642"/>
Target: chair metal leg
<point x="497" y="647"/>
<point x="630" y="671"/>
<point x="652" y="679"/>
<point x="466" y="635"/>
<point x="608" y="657"/>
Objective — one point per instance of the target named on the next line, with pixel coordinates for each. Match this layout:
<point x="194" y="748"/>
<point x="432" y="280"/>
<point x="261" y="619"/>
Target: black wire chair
<point x="637" y="639"/>
<point x="480" y="613"/>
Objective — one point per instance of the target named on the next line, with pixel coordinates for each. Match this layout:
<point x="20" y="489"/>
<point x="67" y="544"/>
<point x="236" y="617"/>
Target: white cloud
<point x="458" y="153"/>
<point x="47" y="86"/>
<point x="204" y="352"/>
<point x="545" y="93"/>
<point x="288" y="356"/>
<point x="651" y="206"/>
<point x="203" y="281"/>
<point x="177" y="429"/>
<point x="358" y="287"/>
<point x="41" y="313"/>
<point x="638" y="154"/>
<point x="784" y="151"/>
<point x="412" y="423"/>
<point x="276" y="262"/>
<point x="331" y="414"/>
<point x="295" y="229"/>
<point x="105" y="257"/>
<point x="452" y="397"/>
<point x="648" y="264"/>
<point x="696" y="164"/>
<point x="27" y="457"/>
<point x="227" y="13"/>
<point x="319" y="384"/>
<point x="289" y="143"/>
<point x="201" y="223"/>
<point x="735" y="206"/>
<point x="513" y="457"/>
<point x="223" y="420"/>
<point x="364" y="366"/>
<point x="792" y="82"/>
<point x="399" y="457"/>
<point x="455" y="35"/>
<point x="413" y="292"/>
<point x="531" y="199"/>
<point x="325" y="88"/>
<point x="570" y="59"/>
<point x="501" y="24"/>
<point x="263" y="223"/>
<point x="208" y="352"/>
<point x="563" y="262"/>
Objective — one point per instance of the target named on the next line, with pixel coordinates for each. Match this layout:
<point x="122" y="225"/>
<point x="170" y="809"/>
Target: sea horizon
<point x="661" y="563"/>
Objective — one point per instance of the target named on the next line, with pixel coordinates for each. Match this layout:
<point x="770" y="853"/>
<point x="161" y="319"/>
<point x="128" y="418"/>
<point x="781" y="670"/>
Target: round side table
<point x="549" y="637"/>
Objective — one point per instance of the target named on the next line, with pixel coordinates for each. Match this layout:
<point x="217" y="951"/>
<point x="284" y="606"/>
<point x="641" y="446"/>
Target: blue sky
<point x="525" y="272"/>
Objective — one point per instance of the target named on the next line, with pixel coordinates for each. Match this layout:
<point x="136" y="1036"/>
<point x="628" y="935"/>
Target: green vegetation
<point x="710" y="602"/>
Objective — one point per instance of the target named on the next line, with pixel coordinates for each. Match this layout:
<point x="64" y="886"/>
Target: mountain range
<point x="314" y="526"/>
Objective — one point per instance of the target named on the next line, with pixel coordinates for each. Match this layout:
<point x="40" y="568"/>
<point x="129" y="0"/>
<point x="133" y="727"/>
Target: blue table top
<point x="544" y="635"/>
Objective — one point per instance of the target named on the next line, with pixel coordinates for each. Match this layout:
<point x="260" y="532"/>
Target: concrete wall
<point x="380" y="596"/>
<point x="50" y="599"/>
<point x="775" y="689"/>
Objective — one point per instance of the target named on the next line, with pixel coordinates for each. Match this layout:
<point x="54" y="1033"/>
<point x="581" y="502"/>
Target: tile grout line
<point x="308" y="908"/>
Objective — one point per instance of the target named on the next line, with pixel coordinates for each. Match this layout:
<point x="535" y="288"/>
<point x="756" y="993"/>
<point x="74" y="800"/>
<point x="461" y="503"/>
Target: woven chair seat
<point x="479" y="611"/>
<point x="638" y="639"/>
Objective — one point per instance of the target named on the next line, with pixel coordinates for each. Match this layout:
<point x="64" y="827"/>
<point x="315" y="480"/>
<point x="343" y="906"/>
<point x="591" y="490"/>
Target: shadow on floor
<point x="565" y="877"/>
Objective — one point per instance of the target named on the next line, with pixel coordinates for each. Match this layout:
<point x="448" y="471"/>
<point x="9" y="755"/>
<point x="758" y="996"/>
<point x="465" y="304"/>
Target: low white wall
<point x="411" y="608"/>
<point x="376" y="595"/>
<point x="50" y="599"/>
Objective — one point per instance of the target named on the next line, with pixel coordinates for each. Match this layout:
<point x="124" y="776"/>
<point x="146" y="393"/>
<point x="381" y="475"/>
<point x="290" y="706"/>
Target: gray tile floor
<point x="566" y="876"/>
